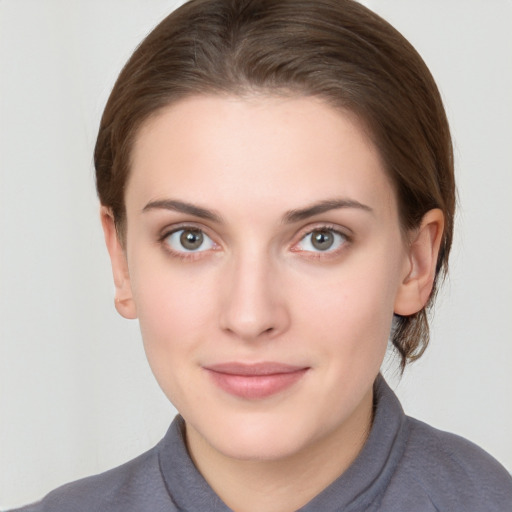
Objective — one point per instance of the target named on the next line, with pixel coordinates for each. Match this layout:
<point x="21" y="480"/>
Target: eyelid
<point x="191" y="255"/>
<point x="346" y="233"/>
<point x="172" y="228"/>
<point x="343" y="231"/>
<point x="327" y="226"/>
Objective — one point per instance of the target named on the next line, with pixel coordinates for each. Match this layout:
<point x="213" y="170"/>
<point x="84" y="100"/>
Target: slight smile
<point x="255" y="381"/>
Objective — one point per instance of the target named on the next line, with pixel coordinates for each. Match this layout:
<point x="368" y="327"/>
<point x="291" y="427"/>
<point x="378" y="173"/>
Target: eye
<point x="322" y="240"/>
<point x="189" y="240"/>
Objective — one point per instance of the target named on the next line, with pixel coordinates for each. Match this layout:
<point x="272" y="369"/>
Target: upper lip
<point x="254" y="369"/>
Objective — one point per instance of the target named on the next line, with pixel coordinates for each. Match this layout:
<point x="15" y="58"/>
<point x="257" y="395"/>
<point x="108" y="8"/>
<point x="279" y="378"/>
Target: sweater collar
<point x="359" y="486"/>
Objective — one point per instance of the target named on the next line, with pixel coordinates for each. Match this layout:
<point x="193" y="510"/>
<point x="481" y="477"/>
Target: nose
<point x="254" y="305"/>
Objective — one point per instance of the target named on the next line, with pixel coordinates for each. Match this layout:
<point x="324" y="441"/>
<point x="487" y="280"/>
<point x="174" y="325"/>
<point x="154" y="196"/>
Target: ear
<point x="123" y="300"/>
<point x="419" y="274"/>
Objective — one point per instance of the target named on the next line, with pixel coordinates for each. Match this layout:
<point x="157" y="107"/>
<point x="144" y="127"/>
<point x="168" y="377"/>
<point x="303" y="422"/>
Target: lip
<point x="257" y="380"/>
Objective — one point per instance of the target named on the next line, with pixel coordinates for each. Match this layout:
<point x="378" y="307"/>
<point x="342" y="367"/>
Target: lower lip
<point x="253" y="387"/>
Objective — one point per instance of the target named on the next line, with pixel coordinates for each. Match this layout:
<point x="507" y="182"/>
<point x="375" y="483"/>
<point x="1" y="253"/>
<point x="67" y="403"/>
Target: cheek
<point x="352" y="308"/>
<point x="174" y="312"/>
<point x="174" y="309"/>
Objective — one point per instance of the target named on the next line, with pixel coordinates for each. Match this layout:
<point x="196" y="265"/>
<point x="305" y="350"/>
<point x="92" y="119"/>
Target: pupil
<point x="191" y="239"/>
<point x="322" y="240"/>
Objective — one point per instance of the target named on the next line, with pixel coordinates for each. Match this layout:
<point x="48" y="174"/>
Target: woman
<point x="277" y="193"/>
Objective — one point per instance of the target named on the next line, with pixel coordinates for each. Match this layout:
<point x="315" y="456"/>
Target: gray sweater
<point x="405" y="465"/>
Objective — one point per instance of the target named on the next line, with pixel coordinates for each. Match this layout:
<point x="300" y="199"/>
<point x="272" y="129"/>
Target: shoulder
<point x="453" y="472"/>
<point x="129" y="487"/>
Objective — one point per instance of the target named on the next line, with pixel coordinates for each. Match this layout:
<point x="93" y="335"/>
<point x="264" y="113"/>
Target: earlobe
<point x="423" y="250"/>
<point x="123" y="296"/>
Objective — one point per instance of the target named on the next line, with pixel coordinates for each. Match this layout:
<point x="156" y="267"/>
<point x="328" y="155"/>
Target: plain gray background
<point x="76" y="395"/>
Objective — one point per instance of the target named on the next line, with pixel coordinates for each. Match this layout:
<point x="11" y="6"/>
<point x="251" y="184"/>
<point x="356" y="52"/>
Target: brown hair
<point x="337" y="50"/>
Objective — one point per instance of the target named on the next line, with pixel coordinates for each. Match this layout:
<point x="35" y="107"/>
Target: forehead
<point x="287" y="150"/>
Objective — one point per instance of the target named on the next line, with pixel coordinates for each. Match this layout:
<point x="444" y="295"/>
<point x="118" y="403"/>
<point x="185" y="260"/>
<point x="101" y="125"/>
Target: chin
<point x="254" y="437"/>
<point x="261" y="448"/>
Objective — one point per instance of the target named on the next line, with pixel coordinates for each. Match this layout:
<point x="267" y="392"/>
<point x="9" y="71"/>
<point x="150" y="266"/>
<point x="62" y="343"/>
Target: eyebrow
<point x="322" y="207"/>
<point x="289" y="217"/>
<point x="183" y="207"/>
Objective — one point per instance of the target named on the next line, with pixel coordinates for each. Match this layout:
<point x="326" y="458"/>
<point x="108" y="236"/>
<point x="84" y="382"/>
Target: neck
<point x="285" y="484"/>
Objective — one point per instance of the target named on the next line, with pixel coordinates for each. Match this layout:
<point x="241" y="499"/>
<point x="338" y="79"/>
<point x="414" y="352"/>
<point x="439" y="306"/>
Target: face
<point x="264" y="261"/>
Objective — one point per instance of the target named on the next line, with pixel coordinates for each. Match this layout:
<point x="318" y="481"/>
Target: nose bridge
<point x="253" y="304"/>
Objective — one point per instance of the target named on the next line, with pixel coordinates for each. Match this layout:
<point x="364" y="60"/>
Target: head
<point x="276" y="185"/>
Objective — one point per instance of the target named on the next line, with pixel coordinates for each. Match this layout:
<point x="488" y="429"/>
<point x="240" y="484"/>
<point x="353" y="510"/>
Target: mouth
<point x="255" y="381"/>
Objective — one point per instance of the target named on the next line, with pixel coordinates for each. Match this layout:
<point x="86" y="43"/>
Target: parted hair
<point x="337" y="50"/>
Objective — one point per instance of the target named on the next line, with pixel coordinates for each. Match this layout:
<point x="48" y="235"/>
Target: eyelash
<point x="185" y="255"/>
<point x="315" y="255"/>
<point x="327" y="254"/>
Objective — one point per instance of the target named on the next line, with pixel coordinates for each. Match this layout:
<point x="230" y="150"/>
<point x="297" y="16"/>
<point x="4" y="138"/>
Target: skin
<point x="258" y="290"/>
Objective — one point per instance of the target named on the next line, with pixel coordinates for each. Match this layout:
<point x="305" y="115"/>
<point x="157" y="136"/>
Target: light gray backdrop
<point x="76" y="395"/>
